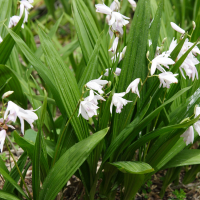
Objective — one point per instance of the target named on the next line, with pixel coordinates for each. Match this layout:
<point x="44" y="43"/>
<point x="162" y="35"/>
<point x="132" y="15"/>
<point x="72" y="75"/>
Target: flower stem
<point x="18" y="170"/>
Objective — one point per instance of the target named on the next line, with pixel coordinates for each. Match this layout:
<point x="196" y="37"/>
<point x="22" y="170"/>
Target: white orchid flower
<point x="14" y="21"/>
<point x="102" y="8"/>
<point x="166" y="78"/>
<point x="94" y="98"/>
<point x="197" y="124"/>
<point x="16" y="111"/>
<point x="118" y="101"/>
<point x="114" y="46"/>
<point x="97" y="84"/>
<point x="121" y="55"/>
<point x="24" y="7"/>
<point x="119" y="19"/>
<point x="177" y="28"/>
<point x="134" y="87"/>
<point x="87" y="109"/>
<point x="2" y="139"/>
<point x="161" y="60"/>
<point x="117" y="72"/>
<point x="133" y="4"/>
<point x="188" y="135"/>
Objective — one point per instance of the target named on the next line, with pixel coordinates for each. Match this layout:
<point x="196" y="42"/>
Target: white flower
<point x="1" y="40"/>
<point x="118" y="101"/>
<point x="188" y="135"/>
<point x="134" y="87"/>
<point x="115" y="5"/>
<point x="94" y="98"/>
<point x="166" y="78"/>
<point x="16" y="111"/>
<point x="161" y="60"/>
<point x="6" y="94"/>
<point x="177" y="28"/>
<point x="117" y="72"/>
<point x="197" y="124"/>
<point x="87" y="109"/>
<point x="102" y="8"/>
<point x="2" y="139"/>
<point x="133" y="4"/>
<point x="14" y="21"/>
<point x="114" y="46"/>
<point x="121" y="55"/>
<point x="119" y="19"/>
<point x="24" y="7"/>
<point x="97" y="84"/>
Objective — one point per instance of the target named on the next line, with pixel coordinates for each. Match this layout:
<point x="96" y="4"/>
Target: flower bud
<point x="164" y="40"/>
<point x="194" y="25"/>
<point x="147" y="54"/>
<point x="109" y="84"/>
<point x="6" y="94"/>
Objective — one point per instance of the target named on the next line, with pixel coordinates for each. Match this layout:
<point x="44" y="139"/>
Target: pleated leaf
<point x="67" y="165"/>
<point x="133" y="167"/>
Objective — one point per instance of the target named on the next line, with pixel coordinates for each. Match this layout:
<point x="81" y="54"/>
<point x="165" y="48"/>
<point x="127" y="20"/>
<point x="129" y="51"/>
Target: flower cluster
<point x="25" y="5"/>
<point x="88" y="107"/>
<point x="12" y="112"/>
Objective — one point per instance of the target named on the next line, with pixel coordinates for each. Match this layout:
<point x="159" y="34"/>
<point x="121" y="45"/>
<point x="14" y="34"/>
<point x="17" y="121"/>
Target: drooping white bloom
<point x="24" y="7"/>
<point x="117" y="72"/>
<point x="6" y="94"/>
<point x="133" y="4"/>
<point x="114" y="46"/>
<point x="2" y="139"/>
<point x="1" y="40"/>
<point x="115" y="5"/>
<point x="188" y="135"/>
<point x="197" y="124"/>
<point x="119" y="19"/>
<point x="14" y="21"/>
<point x="102" y="8"/>
<point x="97" y="84"/>
<point x="134" y="87"/>
<point x="166" y="78"/>
<point x="118" y="101"/>
<point x="94" y="98"/>
<point x="177" y="28"/>
<point x="121" y="55"/>
<point x="161" y="60"/>
<point x="16" y="111"/>
<point x="87" y="109"/>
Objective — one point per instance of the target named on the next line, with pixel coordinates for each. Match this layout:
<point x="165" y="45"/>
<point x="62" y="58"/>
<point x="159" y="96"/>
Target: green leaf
<point x="8" y="196"/>
<point x="14" y="174"/>
<point x="5" y="10"/>
<point x="92" y="66"/>
<point x="133" y="167"/>
<point x="134" y="64"/>
<point x="88" y="33"/>
<point x="37" y="154"/>
<point x="7" y="176"/>
<point x="66" y="85"/>
<point x="185" y="157"/>
<point x="12" y="85"/>
<point x="8" y="43"/>
<point x="67" y="165"/>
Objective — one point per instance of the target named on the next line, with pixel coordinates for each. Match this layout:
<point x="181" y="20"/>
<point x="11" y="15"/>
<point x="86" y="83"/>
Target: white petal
<point x="177" y="28"/>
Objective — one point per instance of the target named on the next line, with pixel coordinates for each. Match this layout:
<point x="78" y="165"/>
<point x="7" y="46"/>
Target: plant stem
<point x="18" y="170"/>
